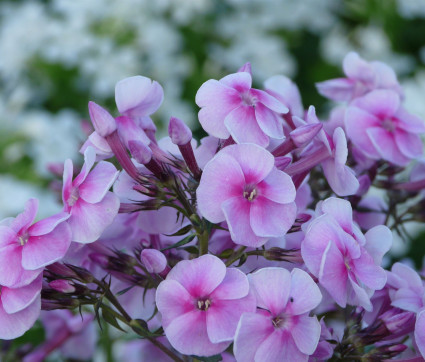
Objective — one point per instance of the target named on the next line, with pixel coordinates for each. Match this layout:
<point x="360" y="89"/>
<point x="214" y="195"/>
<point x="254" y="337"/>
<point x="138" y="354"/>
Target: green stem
<point x="203" y="242"/>
<point x="236" y="255"/>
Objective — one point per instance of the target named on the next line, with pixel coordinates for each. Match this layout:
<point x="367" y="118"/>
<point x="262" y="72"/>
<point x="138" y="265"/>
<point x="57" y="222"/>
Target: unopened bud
<point x="100" y="259"/>
<point x="303" y="135"/>
<point x="141" y="153"/>
<point x="103" y="122"/>
<point x="179" y="132"/>
<point x="246" y="68"/>
<point x="62" y="286"/>
<point x="153" y="260"/>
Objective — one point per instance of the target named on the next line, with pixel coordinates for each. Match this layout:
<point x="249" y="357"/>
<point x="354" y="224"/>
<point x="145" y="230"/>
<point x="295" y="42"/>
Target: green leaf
<point x="182" y="231"/>
<point x="215" y="358"/>
<point x="182" y="242"/>
<point x="226" y="254"/>
<point x="109" y="317"/>
<point x="191" y="249"/>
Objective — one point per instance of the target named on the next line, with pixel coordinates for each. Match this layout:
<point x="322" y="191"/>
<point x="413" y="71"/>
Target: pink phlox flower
<point x="19" y="308"/>
<point x="346" y="262"/>
<point x="87" y="198"/>
<point x="231" y="107"/>
<point x="362" y="77"/>
<point x="241" y="186"/>
<point x="380" y="127"/>
<point x="25" y="248"/>
<point x="201" y="302"/>
<point x="281" y="329"/>
<point x="324" y="350"/>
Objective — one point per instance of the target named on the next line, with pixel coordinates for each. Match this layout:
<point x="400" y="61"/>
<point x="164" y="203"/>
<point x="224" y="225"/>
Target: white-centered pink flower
<point x="201" y="302"/>
<point x="25" y="248"/>
<point x="230" y="107"/>
<point x="241" y="186"/>
<point x="87" y="198"/>
<point x="282" y="329"/>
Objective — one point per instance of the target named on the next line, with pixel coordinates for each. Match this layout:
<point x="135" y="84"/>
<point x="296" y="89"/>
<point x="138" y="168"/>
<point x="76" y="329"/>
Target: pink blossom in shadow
<point x="241" y="186"/>
<point x="201" y="302"/>
<point x="282" y="329"/>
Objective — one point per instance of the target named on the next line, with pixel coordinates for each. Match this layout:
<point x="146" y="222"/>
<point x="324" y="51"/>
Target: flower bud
<point x="103" y="122"/>
<point x="153" y="260"/>
<point x="141" y="153"/>
<point x="179" y="132"/>
<point x="62" y="286"/>
<point x="303" y="135"/>
<point x="245" y="68"/>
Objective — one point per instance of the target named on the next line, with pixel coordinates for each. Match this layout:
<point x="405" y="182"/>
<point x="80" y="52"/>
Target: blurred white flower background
<point x="56" y="55"/>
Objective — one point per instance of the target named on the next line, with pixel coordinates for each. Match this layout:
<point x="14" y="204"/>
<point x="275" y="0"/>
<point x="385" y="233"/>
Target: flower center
<point x="279" y="321"/>
<point x="248" y="99"/>
<point x="203" y="304"/>
<point x="389" y="125"/>
<point x="23" y="239"/>
<point x="250" y="192"/>
<point x="73" y="197"/>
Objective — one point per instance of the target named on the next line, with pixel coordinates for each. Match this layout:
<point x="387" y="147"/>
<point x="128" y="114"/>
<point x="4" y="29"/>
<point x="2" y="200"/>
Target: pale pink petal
<point x="357" y="121"/>
<point x="7" y="236"/>
<point x="304" y="295"/>
<point x="199" y="276"/>
<point x="252" y="330"/>
<point x="223" y="317"/>
<point x="89" y="160"/>
<point x="270" y="123"/>
<point x="357" y="68"/>
<point x="88" y="221"/>
<point x="138" y="96"/>
<point x="340" y="210"/>
<point x="15" y="300"/>
<point x="188" y="335"/>
<point x="341" y="178"/>
<point x="373" y="276"/>
<point x="269" y="101"/>
<point x="243" y="126"/>
<point x="26" y="218"/>
<point x="409" y="276"/>
<point x="130" y="131"/>
<point x="234" y="285"/>
<point x="162" y="221"/>
<point x="256" y="162"/>
<point x="381" y="103"/>
<point x="173" y="300"/>
<point x="384" y="143"/>
<point x="277" y="187"/>
<point x="407" y="299"/>
<point x="101" y="145"/>
<point x="378" y="242"/>
<point x="339" y="89"/>
<point x="409" y="122"/>
<point x="279" y="346"/>
<point x="47" y="225"/>
<point x="15" y="325"/>
<point x="410" y="144"/>
<point x="67" y="182"/>
<point x="43" y="250"/>
<point x="359" y="296"/>
<point x="10" y="264"/>
<point x="271" y="287"/>
<point x="98" y="182"/>
<point x="237" y="213"/>
<point x="420" y="332"/>
<point x="221" y="179"/>
<point x="270" y="219"/>
<point x="306" y="333"/>
<point x="240" y="81"/>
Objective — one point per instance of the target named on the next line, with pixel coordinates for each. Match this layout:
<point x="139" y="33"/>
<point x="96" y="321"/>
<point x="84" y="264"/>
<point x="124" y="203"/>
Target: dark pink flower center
<point x="389" y="125"/>
<point x="248" y="99"/>
<point x="203" y="304"/>
<point x="73" y="197"/>
<point x="250" y="192"/>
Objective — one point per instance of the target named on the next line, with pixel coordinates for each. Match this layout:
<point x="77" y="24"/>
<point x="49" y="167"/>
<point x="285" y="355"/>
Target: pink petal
<point x="270" y="219"/>
<point x="243" y="126"/>
<point x="256" y="162"/>
<point x="341" y="178"/>
<point x="269" y="101"/>
<point x="188" y="335"/>
<point x="173" y="300"/>
<point x="409" y="276"/>
<point x="221" y="179"/>
<point x="236" y="211"/>
<point x="357" y="68"/>
<point x="217" y="101"/>
<point x="379" y="241"/>
<point x="373" y="276"/>
<point x="357" y="122"/>
<point x="15" y="325"/>
<point x="409" y="144"/>
<point x="270" y="123"/>
<point x="15" y="300"/>
<point x="223" y="317"/>
<point x="271" y="287"/>
<point x="277" y="187"/>
<point x="340" y="89"/>
<point x="43" y="250"/>
<point x="340" y="210"/>
<point x="89" y="160"/>
<point x="409" y="122"/>
<point x="235" y="285"/>
<point x="130" y="131"/>
<point x="407" y="299"/>
<point x="199" y="276"/>
<point x="304" y="295"/>
<point x="279" y="346"/>
<point x="162" y="221"/>
<point x="10" y="264"/>
<point x="252" y="330"/>
<point x="7" y="236"/>
<point x="306" y="333"/>
<point x="240" y="81"/>
<point x="138" y="96"/>
<point x="360" y="297"/>
<point x="67" y="182"/>
<point x="88" y="221"/>
<point x="382" y="103"/>
<point x="420" y="332"/>
<point x="98" y="182"/>
<point x="47" y="225"/>
<point x="385" y="144"/>
<point x="26" y="218"/>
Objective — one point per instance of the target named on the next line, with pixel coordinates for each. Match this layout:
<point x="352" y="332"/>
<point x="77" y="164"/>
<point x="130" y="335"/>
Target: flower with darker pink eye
<point x="241" y="186"/>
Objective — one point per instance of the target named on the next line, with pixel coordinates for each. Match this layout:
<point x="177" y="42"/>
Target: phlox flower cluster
<point x="260" y="242"/>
